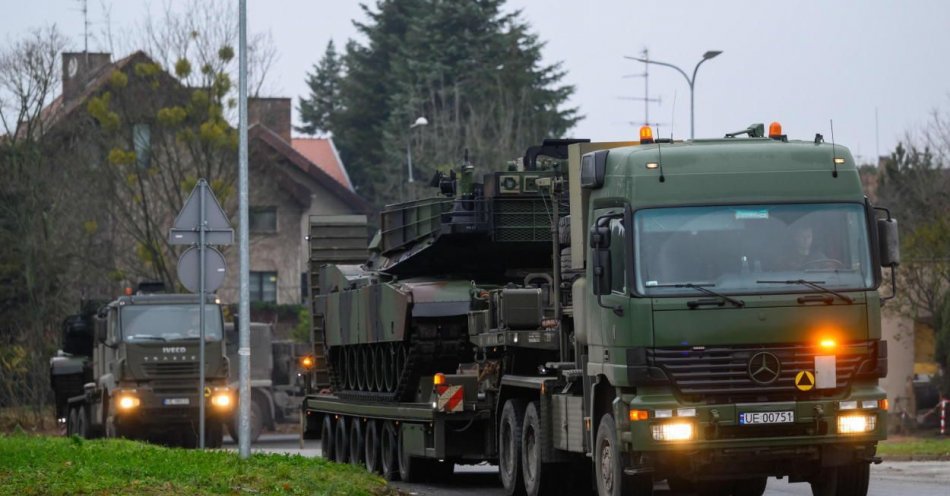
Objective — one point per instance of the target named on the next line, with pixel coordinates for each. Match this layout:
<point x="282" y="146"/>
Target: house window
<point x="142" y="142"/>
<point x="264" y="286"/>
<point x="262" y="219"/>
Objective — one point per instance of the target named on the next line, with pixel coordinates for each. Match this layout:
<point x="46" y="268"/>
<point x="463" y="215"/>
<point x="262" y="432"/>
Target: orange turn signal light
<point x="646" y="135"/>
<point x="884" y="404"/>
<point x="775" y="130"/>
<point x="438" y="379"/>
<point x="637" y="415"/>
<point x="306" y="362"/>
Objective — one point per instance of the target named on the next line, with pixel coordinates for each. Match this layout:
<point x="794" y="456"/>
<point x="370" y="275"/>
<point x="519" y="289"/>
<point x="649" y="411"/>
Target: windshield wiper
<point x="702" y="288"/>
<point x="813" y="285"/>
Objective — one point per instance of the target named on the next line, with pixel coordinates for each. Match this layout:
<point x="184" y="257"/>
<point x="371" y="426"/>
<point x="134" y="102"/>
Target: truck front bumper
<point x="146" y="405"/>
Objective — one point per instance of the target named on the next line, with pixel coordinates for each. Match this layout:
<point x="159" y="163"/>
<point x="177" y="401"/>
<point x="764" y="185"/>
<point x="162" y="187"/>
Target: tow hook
<point x="876" y="460"/>
<point x="715" y="422"/>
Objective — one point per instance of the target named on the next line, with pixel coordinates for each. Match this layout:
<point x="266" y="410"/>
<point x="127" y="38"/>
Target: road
<point x="887" y="479"/>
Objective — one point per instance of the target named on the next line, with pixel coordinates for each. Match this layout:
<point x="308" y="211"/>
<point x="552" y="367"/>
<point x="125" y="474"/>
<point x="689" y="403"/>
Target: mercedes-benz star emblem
<point x="764" y="368"/>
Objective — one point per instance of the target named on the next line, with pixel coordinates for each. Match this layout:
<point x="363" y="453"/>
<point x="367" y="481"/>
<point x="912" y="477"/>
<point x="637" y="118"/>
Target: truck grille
<point x="171" y="369"/>
<point x="720" y="374"/>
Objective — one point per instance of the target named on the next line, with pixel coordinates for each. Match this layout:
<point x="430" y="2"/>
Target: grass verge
<point x="55" y="465"/>
<point x="915" y="448"/>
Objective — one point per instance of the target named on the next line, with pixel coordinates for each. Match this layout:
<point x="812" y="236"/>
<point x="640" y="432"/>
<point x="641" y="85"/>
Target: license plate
<point x="751" y="418"/>
<point x="176" y="401"/>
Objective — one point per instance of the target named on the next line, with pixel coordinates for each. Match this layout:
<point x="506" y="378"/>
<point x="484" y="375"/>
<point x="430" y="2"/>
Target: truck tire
<point x="357" y="446"/>
<point x="72" y="422"/>
<point x="341" y="441"/>
<point x="509" y="447"/>
<point x="750" y="487"/>
<point x="539" y="477"/>
<point x="388" y="452"/>
<point x="326" y="438"/>
<point x="608" y="465"/>
<point x="564" y="230"/>
<point x="853" y="479"/>
<point x="256" y="421"/>
<point x="371" y="447"/>
<point x="825" y="483"/>
<point x="82" y="422"/>
<point x="214" y="433"/>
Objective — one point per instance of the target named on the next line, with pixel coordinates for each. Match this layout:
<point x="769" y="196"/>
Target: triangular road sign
<point x="218" y="230"/>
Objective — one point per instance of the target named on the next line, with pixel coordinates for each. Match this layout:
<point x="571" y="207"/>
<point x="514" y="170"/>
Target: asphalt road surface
<point x="887" y="479"/>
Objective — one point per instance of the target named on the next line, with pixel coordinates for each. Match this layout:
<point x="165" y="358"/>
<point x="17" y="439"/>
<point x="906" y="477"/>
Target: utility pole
<point x="244" y="311"/>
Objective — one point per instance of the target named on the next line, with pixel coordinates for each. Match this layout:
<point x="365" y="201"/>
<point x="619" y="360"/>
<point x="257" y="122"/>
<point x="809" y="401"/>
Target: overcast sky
<point x="801" y="63"/>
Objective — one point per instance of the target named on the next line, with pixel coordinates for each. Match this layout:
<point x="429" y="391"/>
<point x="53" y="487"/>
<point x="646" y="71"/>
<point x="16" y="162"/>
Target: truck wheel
<point x="256" y="421"/>
<point x="608" y="465"/>
<point x="341" y="441"/>
<point x="72" y="422"/>
<point x="356" y="449"/>
<point x="509" y="447"/>
<point x="371" y="447"/>
<point x="214" y="433"/>
<point x="387" y="444"/>
<point x="750" y="487"/>
<point x="326" y="438"/>
<point x="853" y="479"/>
<point x="82" y="422"/>
<point x="825" y="483"/>
<point x="539" y="477"/>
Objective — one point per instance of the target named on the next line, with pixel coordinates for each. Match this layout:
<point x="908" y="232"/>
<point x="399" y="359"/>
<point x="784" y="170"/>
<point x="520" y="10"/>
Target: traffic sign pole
<point x="244" y="311"/>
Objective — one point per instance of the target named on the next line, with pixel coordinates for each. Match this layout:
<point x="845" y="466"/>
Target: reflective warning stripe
<point x="450" y="399"/>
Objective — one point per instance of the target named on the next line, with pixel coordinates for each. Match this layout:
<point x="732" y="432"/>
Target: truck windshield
<point x="752" y="248"/>
<point x="168" y="322"/>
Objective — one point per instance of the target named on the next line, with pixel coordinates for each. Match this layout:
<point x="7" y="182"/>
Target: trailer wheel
<point x="326" y="438"/>
<point x="371" y="447"/>
<point x="387" y="444"/>
<point x="853" y="479"/>
<point x="539" y="477"/>
<point x="341" y="441"/>
<point x="410" y="468"/>
<point x="608" y="464"/>
<point x="356" y="448"/>
<point x="82" y="422"/>
<point x="509" y="447"/>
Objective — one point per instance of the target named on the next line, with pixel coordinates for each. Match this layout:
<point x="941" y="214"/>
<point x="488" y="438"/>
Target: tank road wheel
<point x="361" y="368"/>
<point x="366" y="359"/>
<point x="352" y="368"/>
<point x="392" y="369"/>
<point x="357" y="455"/>
<point x="341" y="441"/>
<point x="509" y="447"/>
<point x="371" y="447"/>
<point x="379" y="367"/>
<point x="341" y="367"/>
<point x="387" y="455"/>
<point x="608" y="465"/>
<point x="326" y="438"/>
<point x="539" y="477"/>
<point x="853" y="479"/>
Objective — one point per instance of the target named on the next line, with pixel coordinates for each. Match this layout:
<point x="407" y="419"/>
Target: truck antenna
<point x="834" y="155"/>
<point x="659" y="153"/>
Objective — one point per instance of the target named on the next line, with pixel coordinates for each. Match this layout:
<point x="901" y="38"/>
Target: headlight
<point x="673" y="431"/>
<point x="221" y="399"/>
<point x="856" y="424"/>
<point x="126" y="401"/>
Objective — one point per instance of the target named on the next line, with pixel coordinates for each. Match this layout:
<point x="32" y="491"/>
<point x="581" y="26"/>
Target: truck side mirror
<point x="101" y="331"/>
<point x="889" y="239"/>
<point x="600" y="252"/>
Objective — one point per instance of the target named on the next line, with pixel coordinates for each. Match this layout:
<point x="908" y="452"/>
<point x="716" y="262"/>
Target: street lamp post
<point x="422" y="121"/>
<point x="689" y="80"/>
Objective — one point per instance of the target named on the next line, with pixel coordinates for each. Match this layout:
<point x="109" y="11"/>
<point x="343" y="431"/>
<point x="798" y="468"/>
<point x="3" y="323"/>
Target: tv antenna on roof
<point x="646" y="90"/>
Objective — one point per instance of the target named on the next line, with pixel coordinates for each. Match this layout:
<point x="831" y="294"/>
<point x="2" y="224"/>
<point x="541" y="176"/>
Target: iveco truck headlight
<point x="127" y="401"/>
<point x="856" y="424"/>
<point x="221" y="398"/>
<point x="673" y="431"/>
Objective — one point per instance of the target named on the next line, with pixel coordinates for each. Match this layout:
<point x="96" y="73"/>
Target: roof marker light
<point x="775" y="130"/>
<point x="646" y="135"/>
<point x="839" y="160"/>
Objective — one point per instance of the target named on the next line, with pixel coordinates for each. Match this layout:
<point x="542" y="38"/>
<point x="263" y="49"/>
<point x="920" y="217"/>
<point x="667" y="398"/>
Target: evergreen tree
<point x="472" y="70"/>
<point x="324" y="99"/>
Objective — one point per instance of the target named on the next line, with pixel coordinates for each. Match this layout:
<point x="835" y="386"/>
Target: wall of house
<point x="898" y="330"/>
<point x="284" y="251"/>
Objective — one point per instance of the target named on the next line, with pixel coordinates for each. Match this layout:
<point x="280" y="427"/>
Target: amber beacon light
<point x="775" y="130"/>
<point x="646" y="135"/>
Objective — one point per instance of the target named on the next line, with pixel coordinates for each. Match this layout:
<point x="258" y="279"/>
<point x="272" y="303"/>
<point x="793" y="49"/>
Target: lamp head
<point x="711" y="54"/>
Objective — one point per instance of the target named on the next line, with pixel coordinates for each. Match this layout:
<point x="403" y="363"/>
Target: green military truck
<point x="131" y="370"/>
<point x="702" y="312"/>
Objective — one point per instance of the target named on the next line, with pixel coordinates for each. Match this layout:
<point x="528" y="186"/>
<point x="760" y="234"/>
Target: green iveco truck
<point x="131" y="370"/>
<point x="703" y="312"/>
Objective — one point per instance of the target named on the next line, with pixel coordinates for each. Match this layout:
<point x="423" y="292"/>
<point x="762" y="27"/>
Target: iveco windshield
<point x="168" y="322"/>
<point x="735" y="248"/>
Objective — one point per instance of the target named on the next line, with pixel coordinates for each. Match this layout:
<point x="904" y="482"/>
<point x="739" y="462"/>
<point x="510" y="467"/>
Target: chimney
<point x="272" y="113"/>
<point x="79" y="68"/>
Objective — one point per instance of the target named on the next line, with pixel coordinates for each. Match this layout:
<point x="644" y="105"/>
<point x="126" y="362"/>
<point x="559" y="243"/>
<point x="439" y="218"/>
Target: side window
<point x="618" y="262"/>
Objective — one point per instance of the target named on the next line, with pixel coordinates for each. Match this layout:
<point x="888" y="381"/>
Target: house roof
<point x="262" y="134"/>
<point x="322" y="153"/>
